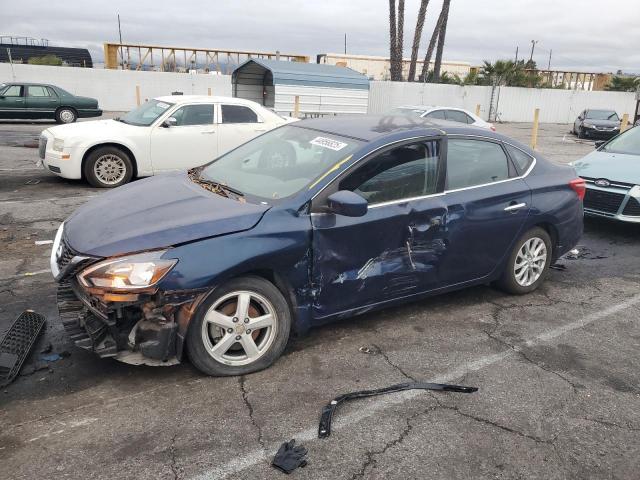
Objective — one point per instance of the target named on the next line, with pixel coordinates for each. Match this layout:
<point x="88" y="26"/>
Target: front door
<point x="392" y="251"/>
<point x="487" y="205"/>
<point x="41" y="101"/>
<point x="191" y="142"/>
<point x="238" y="124"/>
<point x="12" y="104"/>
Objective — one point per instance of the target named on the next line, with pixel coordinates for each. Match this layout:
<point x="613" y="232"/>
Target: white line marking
<point x="43" y="242"/>
<point x="256" y="456"/>
<point x="48" y="200"/>
<point x="27" y="274"/>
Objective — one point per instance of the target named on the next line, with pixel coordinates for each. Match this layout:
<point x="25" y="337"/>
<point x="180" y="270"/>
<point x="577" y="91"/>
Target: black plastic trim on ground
<point x="17" y="343"/>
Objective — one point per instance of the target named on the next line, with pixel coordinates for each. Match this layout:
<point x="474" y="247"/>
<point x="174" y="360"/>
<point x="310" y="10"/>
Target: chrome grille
<point x="42" y="146"/>
<point x="64" y="254"/>
<point x="603" y="201"/>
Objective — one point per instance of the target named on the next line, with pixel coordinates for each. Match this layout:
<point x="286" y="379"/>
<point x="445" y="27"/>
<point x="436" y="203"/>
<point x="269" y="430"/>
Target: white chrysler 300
<point x="166" y="133"/>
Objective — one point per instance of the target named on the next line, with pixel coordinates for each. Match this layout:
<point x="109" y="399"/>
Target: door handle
<point x="515" y="207"/>
<point x="208" y="132"/>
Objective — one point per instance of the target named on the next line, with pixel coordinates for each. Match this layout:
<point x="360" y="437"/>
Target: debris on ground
<point x="583" y="252"/>
<point x="373" y="350"/>
<point x="324" y="429"/>
<point x="52" y="357"/>
<point x="32" y="181"/>
<point x="48" y="348"/>
<point x="17" y="343"/>
<point x="289" y="457"/>
<point x="558" y="266"/>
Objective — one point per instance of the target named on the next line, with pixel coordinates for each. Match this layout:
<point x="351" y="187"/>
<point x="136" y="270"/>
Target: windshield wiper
<point x="212" y="185"/>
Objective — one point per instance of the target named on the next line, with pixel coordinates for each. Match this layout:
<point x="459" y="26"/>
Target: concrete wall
<point x="116" y="89"/>
<point x="514" y="104"/>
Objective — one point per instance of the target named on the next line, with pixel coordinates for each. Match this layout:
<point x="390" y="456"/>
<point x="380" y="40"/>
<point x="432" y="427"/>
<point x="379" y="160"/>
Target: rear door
<point x="192" y="142"/>
<point x="41" y="101"/>
<point x="487" y="205"/>
<point x="12" y="104"/>
<point x="392" y="251"/>
<point x="237" y="124"/>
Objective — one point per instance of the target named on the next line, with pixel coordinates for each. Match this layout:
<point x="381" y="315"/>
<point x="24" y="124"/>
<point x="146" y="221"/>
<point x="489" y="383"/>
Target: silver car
<point x="612" y="175"/>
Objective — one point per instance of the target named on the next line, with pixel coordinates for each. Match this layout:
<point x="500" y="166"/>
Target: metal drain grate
<point x="17" y="343"/>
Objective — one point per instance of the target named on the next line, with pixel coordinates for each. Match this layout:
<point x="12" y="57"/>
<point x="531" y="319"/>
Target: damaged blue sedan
<point x="315" y="221"/>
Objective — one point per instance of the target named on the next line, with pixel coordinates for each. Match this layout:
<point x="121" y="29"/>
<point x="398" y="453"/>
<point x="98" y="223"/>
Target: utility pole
<point x="345" y="43"/>
<point x="549" y="65"/>
<point x="533" y="46"/>
<point x="516" y="54"/>
<point x="121" y="52"/>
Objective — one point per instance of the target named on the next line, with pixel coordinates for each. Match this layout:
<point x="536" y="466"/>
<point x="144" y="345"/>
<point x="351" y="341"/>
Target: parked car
<point x="167" y="133"/>
<point x="458" y="115"/>
<point x="42" y="101"/>
<point x="593" y="123"/>
<point x="314" y="221"/>
<point x="612" y="176"/>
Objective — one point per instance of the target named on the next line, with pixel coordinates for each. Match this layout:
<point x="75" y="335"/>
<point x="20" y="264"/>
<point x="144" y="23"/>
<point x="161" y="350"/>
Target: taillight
<point x="578" y="185"/>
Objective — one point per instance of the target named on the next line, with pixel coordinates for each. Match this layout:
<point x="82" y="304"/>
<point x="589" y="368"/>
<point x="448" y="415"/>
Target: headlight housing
<point x="587" y="125"/>
<point x="129" y="273"/>
<point x="58" y="145"/>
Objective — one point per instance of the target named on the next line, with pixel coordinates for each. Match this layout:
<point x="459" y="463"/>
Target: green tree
<point x="45" y="60"/>
<point x="624" y="84"/>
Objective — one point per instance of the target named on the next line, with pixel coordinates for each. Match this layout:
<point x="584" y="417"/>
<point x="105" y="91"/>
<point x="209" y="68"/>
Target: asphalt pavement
<point x="557" y="372"/>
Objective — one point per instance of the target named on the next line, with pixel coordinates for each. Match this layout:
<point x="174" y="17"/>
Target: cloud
<point x="582" y="35"/>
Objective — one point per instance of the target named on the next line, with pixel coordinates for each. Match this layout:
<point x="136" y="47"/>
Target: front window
<point x="280" y="163"/>
<point x="190" y="115"/>
<point x="627" y="142"/>
<point x="12" y="91"/>
<point x="602" y="115"/>
<point x="146" y="113"/>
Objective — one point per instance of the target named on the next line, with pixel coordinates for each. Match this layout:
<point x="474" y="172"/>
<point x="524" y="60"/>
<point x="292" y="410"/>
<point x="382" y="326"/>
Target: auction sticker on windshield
<point x="328" y="143"/>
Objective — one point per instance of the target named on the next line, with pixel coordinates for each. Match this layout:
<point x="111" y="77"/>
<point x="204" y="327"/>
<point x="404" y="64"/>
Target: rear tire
<point x="528" y="264"/>
<point x="108" y="167"/>
<point x="581" y="133"/>
<point x="66" y="115"/>
<point x="242" y="327"/>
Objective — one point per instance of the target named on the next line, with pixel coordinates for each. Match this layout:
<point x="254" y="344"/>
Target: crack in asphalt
<point x="392" y="364"/>
<point x="612" y="424"/>
<point x="245" y="399"/>
<point x="172" y="457"/>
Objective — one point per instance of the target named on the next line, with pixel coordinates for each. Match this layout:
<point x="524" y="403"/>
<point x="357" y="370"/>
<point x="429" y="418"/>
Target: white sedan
<point x="166" y="133"/>
<point x="451" y="114"/>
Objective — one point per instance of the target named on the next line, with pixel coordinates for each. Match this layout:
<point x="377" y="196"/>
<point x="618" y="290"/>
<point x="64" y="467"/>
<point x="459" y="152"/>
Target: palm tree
<point x="431" y="47"/>
<point x="396" y="33"/>
<point x="416" y="39"/>
<point x="441" y="36"/>
<point x="624" y="84"/>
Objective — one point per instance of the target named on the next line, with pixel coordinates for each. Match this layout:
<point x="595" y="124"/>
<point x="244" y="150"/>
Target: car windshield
<point x="602" y="115"/>
<point x="146" y="113"/>
<point x="413" y="112"/>
<point x="279" y="163"/>
<point x="627" y="142"/>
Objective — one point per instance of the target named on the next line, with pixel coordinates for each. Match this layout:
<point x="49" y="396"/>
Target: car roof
<point x="374" y="127"/>
<point x="30" y="83"/>
<point x="180" y="99"/>
<point x="430" y="107"/>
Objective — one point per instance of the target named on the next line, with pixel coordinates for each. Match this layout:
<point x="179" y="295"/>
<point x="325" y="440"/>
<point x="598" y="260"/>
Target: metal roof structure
<point x="306" y="74"/>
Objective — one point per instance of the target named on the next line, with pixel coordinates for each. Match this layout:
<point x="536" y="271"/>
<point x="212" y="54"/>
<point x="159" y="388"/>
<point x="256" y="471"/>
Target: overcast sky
<point x="589" y="35"/>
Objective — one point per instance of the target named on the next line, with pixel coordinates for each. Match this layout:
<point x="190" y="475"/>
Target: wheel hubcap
<point x="110" y="169"/>
<point x="66" y="116"/>
<point x="530" y="261"/>
<point x="239" y="328"/>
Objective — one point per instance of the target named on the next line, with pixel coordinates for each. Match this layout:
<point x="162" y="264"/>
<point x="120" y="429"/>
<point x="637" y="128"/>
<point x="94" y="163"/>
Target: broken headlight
<point x="130" y="273"/>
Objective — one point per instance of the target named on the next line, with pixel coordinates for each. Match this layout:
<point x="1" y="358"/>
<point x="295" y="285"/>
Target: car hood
<point x="602" y="123"/>
<point x="155" y="213"/>
<point x="104" y="128"/>
<point x="612" y="166"/>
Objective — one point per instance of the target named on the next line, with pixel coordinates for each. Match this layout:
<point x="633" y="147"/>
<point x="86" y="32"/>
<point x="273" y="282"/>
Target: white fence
<point x="116" y="89"/>
<point x="513" y="104"/>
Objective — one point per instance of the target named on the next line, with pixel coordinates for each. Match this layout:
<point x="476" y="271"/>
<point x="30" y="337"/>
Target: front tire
<point x="242" y="327"/>
<point x="528" y="264"/>
<point x="108" y="167"/>
<point x="66" y="115"/>
<point x="581" y="133"/>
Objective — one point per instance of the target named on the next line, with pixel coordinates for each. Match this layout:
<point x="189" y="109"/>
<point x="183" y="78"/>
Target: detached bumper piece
<point x="324" y="429"/>
<point x="17" y="343"/>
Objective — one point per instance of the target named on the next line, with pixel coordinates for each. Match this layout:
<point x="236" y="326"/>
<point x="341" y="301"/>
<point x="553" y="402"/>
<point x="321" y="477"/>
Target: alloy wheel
<point x="530" y="261"/>
<point x="110" y="169"/>
<point x="67" y="116"/>
<point x="239" y="328"/>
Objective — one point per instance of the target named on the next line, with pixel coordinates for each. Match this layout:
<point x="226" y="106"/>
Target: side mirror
<point x="599" y="143"/>
<point x="347" y="203"/>
<point x="2" y="97"/>
<point x="170" y="122"/>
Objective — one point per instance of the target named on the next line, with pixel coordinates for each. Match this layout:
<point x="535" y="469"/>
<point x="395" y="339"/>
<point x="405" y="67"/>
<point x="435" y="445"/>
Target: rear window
<point x="475" y="162"/>
<point x="238" y="114"/>
<point x="522" y="160"/>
